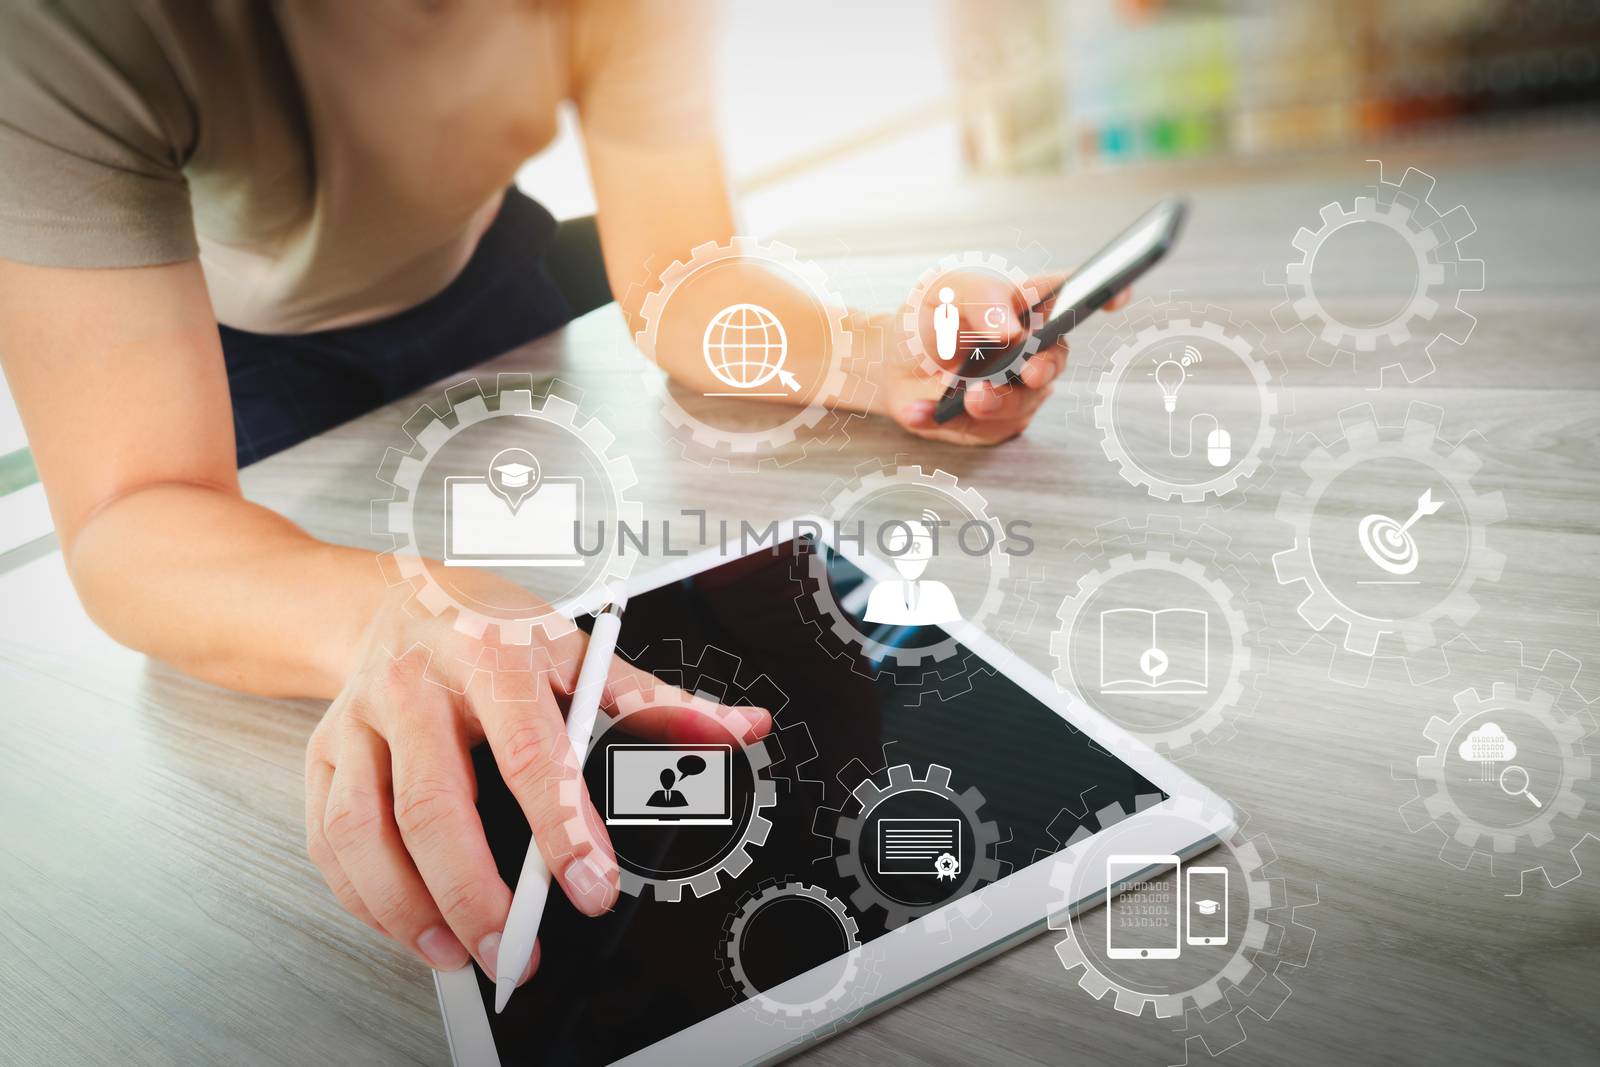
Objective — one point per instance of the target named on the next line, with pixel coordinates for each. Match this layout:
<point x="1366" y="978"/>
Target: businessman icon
<point x="912" y="600"/>
<point x="669" y="797"/>
<point x="512" y="516"/>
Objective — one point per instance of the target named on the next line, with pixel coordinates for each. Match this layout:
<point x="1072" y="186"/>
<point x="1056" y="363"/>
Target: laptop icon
<point x="650" y="784"/>
<point x="513" y="516"/>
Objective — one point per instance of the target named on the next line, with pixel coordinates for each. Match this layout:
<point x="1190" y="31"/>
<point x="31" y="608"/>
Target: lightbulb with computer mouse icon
<point x="1170" y="375"/>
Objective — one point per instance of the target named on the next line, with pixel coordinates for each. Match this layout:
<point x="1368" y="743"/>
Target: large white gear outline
<point x="878" y="477"/>
<point x="759" y="756"/>
<point x="986" y="866"/>
<point x="467" y="405"/>
<point x="1545" y="693"/>
<point x="911" y="316"/>
<point x="1435" y="238"/>
<point x="734" y="444"/>
<point x="1274" y="934"/>
<point x="1363" y="440"/>
<point x="1157" y="324"/>
<point x="1207" y="560"/>
<point x="795" y="1015"/>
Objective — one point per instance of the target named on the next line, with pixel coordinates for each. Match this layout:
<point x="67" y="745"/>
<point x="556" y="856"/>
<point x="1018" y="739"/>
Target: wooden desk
<point x="156" y="905"/>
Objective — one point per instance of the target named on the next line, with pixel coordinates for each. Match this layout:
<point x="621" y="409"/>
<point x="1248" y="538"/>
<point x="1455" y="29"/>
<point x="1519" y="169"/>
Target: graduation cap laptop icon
<point x="1207" y="906"/>
<point x="512" y="516"/>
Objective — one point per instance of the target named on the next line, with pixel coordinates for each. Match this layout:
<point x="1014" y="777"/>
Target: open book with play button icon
<point x="1154" y="653"/>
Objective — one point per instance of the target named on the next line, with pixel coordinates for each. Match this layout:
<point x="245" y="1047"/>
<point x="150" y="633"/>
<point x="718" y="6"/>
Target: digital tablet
<point x="899" y="825"/>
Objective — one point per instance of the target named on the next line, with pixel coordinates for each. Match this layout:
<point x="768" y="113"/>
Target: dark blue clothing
<point x="288" y="387"/>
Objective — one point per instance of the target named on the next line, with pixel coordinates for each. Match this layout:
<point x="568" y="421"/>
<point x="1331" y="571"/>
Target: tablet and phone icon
<point x="1145" y="921"/>
<point x="1207" y="890"/>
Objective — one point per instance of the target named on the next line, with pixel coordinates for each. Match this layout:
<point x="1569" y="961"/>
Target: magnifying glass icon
<point x="1514" y="782"/>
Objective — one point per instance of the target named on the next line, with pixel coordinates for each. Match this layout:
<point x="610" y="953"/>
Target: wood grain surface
<point x="156" y="905"/>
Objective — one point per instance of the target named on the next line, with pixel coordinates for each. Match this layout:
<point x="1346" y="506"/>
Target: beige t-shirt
<point x="330" y="163"/>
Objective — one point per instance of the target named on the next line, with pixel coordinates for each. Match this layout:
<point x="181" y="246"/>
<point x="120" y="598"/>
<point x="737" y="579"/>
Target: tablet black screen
<point x="610" y="986"/>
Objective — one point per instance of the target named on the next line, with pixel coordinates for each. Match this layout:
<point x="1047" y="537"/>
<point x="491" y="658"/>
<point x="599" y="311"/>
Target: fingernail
<point x="917" y="412"/>
<point x="441" y="949"/>
<point x="588" y="886"/>
<point x="489" y="954"/>
<point x="753" y="718"/>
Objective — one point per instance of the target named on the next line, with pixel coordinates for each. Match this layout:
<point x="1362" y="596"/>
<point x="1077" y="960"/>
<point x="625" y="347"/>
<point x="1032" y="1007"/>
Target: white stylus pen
<point x="533" y="885"/>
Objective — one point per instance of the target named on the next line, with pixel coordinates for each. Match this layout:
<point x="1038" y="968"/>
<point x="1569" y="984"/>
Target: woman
<point x="225" y="227"/>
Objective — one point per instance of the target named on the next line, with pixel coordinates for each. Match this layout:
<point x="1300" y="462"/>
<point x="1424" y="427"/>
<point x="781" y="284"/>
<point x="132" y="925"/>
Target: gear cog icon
<point x="1541" y="804"/>
<point x="467" y="406"/>
<point x="933" y="673"/>
<point x="715" y="676"/>
<point x="1003" y="374"/>
<point x="848" y="835"/>
<point x="1152" y="563"/>
<point x="1172" y="343"/>
<point x="1248" y="975"/>
<point x="835" y="615"/>
<point x="828" y="405"/>
<point x="1449" y="469"/>
<point x="851" y="984"/>
<point x="1443" y="274"/>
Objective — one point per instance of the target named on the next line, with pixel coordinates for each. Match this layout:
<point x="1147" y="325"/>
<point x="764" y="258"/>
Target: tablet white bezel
<point x="908" y="960"/>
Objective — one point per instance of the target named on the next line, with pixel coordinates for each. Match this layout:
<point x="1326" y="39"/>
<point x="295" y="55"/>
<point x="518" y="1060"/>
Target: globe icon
<point x="745" y="346"/>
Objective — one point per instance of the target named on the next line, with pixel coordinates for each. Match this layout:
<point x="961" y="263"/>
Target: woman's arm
<point x="120" y="380"/>
<point x="644" y="103"/>
<point x="657" y="202"/>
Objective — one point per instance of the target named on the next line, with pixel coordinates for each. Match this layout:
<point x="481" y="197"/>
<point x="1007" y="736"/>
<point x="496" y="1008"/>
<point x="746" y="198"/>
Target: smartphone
<point x="1206" y="890"/>
<point x="1107" y="272"/>
<point x="1142" y="921"/>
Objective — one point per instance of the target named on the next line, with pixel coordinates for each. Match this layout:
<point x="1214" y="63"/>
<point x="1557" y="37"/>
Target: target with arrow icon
<point x="1389" y="544"/>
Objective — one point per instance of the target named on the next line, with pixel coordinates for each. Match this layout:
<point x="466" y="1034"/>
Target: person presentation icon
<point x="513" y="516"/>
<point x="650" y="784"/>
<point x="1155" y="653"/>
<point x="984" y="330"/>
<point x="913" y="600"/>
<point x="745" y="347"/>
